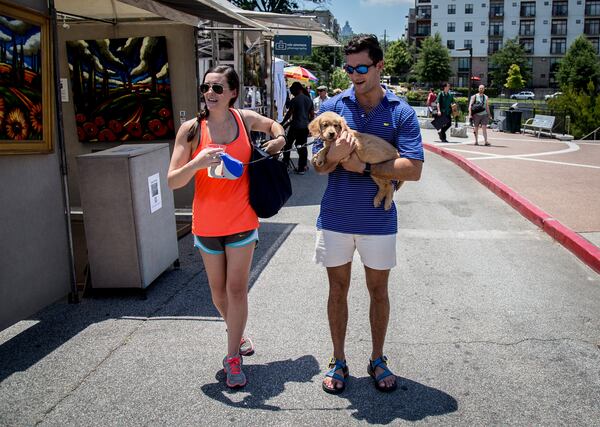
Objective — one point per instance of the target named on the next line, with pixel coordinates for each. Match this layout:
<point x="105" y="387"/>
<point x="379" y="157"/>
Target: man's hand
<point x="354" y="164"/>
<point x="341" y="148"/>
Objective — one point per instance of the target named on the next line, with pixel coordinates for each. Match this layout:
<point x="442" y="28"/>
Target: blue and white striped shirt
<point x="347" y="205"/>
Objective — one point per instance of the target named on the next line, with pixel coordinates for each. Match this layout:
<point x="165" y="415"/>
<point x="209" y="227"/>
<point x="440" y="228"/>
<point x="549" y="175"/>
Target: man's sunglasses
<point x="360" y="69"/>
<point x="216" y="87"/>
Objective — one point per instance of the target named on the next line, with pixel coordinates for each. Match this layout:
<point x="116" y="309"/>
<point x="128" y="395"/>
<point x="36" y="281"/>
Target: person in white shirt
<point x="322" y="96"/>
<point x="480" y="115"/>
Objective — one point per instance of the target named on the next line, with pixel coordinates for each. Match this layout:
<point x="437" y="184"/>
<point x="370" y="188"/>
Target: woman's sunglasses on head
<point x="360" y="69"/>
<point x="216" y="87"/>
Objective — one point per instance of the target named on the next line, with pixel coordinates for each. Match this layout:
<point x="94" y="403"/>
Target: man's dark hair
<point x="296" y="88"/>
<point x="362" y="42"/>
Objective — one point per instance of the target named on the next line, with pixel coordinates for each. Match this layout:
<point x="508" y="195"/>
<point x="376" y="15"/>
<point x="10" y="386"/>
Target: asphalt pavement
<point x="492" y="322"/>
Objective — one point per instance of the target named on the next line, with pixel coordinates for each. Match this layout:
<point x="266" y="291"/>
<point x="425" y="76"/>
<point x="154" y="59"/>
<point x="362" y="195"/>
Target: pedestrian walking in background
<point x="430" y="103"/>
<point x="348" y="221"/>
<point x="321" y="96"/>
<point x="224" y="225"/>
<point x="479" y="112"/>
<point x="444" y="107"/>
<point x="300" y="113"/>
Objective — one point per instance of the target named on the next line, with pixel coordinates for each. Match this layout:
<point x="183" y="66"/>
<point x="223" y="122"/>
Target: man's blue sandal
<point x="382" y="363"/>
<point x="334" y="365"/>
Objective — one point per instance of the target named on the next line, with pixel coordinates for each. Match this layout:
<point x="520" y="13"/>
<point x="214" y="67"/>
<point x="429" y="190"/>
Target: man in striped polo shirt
<point x="347" y="219"/>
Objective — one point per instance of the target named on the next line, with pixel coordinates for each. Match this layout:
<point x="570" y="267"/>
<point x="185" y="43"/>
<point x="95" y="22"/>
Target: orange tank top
<point x="222" y="206"/>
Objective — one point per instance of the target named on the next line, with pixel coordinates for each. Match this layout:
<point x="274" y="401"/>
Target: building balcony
<point x="527" y="14"/>
<point x="493" y="49"/>
<point x="560" y="11"/>
<point x="496" y="15"/>
<point x="526" y="33"/>
<point x="422" y="33"/>
<point x="496" y="33"/>
<point x="558" y="32"/>
<point x="592" y="11"/>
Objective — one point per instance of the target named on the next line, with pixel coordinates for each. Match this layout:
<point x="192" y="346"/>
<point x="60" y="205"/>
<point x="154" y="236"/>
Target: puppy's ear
<point x="314" y="127"/>
<point x="344" y="124"/>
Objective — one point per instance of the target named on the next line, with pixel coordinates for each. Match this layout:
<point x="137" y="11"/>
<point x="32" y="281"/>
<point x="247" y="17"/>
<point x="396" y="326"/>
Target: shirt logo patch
<point x="386" y="124"/>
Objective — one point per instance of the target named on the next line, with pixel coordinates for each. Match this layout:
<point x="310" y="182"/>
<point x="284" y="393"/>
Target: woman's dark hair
<point x="233" y="81"/>
<point x="362" y="42"/>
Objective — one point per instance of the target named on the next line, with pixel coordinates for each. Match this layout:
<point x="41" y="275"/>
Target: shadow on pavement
<point x="264" y="382"/>
<point x="412" y="401"/>
<point x="182" y="292"/>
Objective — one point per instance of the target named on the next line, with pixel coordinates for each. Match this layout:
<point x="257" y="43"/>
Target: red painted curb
<point x="580" y="247"/>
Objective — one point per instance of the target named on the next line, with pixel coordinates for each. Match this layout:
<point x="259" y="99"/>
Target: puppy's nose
<point x="330" y="135"/>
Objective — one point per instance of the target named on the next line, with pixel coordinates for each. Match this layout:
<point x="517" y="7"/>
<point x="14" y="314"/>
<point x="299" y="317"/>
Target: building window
<point x="527" y="28"/>
<point x="560" y="8"/>
<point x="527" y="45"/>
<point x="559" y="27"/>
<point x="423" y="30"/>
<point x="468" y="27"/>
<point x="451" y="27"/>
<point x="592" y="27"/>
<point x="468" y="43"/>
<point x="468" y="8"/>
<point x="592" y="8"/>
<point x="596" y="44"/>
<point x="463" y="64"/>
<point x="450" y="44"/>
<point x="494" y="46"/>
<point x="528" y="9"/>
<point x="496" y="29"/>
<point x="496" y="10"/>
<point x="451" y="9"/>
<point x="558" y="46"/>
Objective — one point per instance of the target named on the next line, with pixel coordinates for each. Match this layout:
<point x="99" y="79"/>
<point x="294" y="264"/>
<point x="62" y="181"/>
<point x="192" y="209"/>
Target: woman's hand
<point x="274" y="145"/>
<point x="206" y="158"/>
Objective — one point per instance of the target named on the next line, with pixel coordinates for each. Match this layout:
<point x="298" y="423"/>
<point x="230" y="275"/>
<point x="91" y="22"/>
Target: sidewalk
<point x="492" y="323"/>
<point x="553" y="183"/>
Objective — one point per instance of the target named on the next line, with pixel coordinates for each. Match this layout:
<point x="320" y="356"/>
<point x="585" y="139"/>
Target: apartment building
<point x="545" y="29"/>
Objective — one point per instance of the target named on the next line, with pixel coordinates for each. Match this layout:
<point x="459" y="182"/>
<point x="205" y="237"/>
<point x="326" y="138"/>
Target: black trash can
<point x="513" y="121"/>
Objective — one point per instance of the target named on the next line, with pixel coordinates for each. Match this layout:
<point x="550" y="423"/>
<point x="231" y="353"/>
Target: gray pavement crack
<point x="124" y="341"/>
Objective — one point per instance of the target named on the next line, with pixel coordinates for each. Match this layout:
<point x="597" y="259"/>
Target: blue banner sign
<point x="292" y="45"/>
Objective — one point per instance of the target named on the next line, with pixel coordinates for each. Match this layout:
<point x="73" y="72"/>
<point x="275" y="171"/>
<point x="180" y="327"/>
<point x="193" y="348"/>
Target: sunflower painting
<point x="25" y="82"/>
<point x="121" y="89"/>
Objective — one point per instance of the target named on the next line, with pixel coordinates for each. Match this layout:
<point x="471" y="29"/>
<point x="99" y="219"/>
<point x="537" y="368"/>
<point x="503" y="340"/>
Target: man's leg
<point x="484" y="130"/>
<point x="379" y="314"/>
<point x="444" y="129"/>
<point x="288" y="145"/>
<point x="476" y="132"/>
<point x="337" y="313"/>
<point x="301" y="139"/>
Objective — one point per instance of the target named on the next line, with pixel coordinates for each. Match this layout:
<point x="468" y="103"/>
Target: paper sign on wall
<point x="154" y="189"/>
<point x="64" y="90"/>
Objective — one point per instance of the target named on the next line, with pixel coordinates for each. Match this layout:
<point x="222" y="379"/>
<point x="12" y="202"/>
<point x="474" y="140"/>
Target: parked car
<point x="524" y="94"/>
<point x="552" y="96"/>
<point x="454" y="93"/>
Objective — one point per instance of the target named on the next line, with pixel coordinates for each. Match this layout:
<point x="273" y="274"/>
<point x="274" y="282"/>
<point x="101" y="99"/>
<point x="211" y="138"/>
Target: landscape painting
<point x="25" y="83"/>
<point x="121" y="89"/>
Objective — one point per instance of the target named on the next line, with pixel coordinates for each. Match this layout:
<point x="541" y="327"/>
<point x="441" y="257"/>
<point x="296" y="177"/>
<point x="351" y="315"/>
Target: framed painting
<point x="25" y="82"/>
<point x="121" y="89"/>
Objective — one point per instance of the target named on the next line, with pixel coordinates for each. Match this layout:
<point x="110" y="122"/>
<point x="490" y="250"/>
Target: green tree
<point x="501" y="61"/>
<point x="398" y="59"/>
<point x="514" y="81"/>
<point x="583" y="106"/>
<point x="277" y="6"/>
<point x="579" y="66"/>
<point x="433" y="65"/>
<point x="339" y="79"/>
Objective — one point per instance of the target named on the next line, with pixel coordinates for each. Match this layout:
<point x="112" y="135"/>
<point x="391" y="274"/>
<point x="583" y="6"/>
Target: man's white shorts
<point x="333" y="249"/>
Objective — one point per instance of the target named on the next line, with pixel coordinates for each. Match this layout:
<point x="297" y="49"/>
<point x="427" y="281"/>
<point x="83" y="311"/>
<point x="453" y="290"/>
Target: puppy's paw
<point x="388" y="204"/>
<point x="377" y="201"/>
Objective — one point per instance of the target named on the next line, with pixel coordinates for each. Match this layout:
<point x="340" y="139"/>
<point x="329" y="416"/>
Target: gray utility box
<point x="128" y="214"/>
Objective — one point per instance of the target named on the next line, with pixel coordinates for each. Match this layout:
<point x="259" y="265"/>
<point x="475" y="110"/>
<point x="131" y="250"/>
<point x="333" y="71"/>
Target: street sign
<point x="292" y="45"/>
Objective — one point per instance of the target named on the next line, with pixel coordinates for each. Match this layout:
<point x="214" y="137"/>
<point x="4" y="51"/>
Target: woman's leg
<point x="239" y="261"/>
<point x="216" y="270"/>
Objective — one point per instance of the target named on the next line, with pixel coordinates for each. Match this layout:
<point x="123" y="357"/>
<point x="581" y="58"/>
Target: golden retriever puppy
<point x="370" y="149"/>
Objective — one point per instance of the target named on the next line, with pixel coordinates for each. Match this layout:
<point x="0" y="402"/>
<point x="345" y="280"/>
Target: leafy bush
<point x="582" y="106"/>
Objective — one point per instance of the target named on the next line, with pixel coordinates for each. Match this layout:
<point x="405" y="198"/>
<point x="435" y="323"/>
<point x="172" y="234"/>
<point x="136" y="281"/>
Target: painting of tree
<point x="121" y="89"/>
<point x="25" y="79"/>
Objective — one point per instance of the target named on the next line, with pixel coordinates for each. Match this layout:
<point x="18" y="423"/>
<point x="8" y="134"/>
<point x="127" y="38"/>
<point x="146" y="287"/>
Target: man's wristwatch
<point x="367" y="170"/>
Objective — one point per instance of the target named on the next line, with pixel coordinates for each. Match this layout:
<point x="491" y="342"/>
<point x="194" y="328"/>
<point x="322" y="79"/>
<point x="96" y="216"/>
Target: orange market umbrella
<point x="299" y="73"/>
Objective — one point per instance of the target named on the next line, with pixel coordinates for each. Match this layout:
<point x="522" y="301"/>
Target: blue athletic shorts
<point x="216" y="245"/>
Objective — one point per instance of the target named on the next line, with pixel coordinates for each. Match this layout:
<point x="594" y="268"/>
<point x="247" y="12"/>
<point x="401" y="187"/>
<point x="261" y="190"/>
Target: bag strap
<point x="245" y="126"/>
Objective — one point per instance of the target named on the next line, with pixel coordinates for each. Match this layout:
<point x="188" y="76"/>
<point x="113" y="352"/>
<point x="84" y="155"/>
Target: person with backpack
<point x="479" y="112"/>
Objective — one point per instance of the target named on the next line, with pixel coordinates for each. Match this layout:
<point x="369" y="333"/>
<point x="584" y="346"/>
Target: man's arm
<point x="400" y="169"/>
<point x="339" y="150"/>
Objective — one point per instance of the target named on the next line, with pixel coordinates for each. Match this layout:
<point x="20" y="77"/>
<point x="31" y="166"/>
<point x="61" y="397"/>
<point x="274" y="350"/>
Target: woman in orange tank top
<point x="223" y="222"/>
